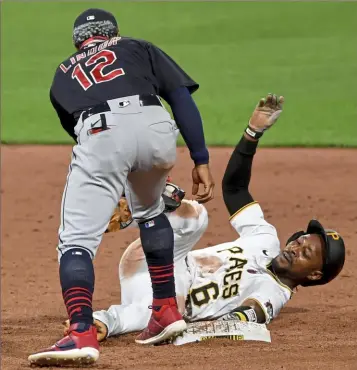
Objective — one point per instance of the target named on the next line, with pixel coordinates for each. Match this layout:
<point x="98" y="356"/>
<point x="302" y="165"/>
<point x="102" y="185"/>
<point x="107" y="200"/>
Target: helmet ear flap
<point x="295" y="236"/>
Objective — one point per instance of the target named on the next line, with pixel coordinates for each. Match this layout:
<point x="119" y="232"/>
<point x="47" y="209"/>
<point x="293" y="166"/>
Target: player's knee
<point x="63" y="249"/>
<point x="156" y="234"/>
<point x="76" y="266"/>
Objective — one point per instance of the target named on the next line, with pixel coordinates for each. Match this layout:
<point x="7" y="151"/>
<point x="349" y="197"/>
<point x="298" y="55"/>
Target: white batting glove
<point x="265" y="115"/>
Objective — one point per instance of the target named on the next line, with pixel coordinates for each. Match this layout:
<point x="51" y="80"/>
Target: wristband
<point x="252" y="133"/>
<point x="242" y="313"/>
<point x="246" y="313"/>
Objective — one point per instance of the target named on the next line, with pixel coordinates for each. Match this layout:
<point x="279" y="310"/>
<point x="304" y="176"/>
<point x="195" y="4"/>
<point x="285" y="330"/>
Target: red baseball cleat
<point x="77" y="348"/>
<point x="165" y="323"/>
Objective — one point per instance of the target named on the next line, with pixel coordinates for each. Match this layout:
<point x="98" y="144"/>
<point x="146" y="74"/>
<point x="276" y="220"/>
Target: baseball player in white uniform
<point x="248" y="279"/>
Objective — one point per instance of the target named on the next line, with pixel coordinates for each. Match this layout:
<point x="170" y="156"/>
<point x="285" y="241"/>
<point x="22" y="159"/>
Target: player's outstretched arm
<point x="236" y="178"/>
<point x="176" y="87"/>
<point x="188" y="119"/>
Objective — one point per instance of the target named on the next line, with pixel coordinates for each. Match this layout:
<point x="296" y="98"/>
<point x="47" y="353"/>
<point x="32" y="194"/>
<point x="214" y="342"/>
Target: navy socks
<point x="157" y="239"/>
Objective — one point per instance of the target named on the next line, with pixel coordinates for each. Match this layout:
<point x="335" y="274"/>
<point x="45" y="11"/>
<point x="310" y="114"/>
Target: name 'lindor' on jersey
<point x="87" y="53"/>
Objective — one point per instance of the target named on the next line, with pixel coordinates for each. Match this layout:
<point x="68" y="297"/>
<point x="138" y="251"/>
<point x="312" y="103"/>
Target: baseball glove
<point x="122" y="217"/>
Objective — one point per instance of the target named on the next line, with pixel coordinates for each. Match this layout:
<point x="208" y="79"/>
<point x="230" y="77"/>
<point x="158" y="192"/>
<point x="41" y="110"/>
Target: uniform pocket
<point x="164" y="127"/>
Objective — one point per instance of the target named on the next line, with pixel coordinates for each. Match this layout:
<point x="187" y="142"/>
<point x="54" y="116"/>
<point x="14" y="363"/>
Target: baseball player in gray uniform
<point x="107" y="97"/>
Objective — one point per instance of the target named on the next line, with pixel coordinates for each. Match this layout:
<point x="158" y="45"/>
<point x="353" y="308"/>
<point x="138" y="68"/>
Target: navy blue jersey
<point x="115" y="68"/>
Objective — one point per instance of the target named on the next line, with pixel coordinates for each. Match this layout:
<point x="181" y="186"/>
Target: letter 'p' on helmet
<point x="334" y="251"/>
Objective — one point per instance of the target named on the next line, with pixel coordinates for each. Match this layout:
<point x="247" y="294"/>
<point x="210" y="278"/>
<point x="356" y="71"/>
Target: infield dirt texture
<point x="317" y="330"/>
<point x="238" y="52"/>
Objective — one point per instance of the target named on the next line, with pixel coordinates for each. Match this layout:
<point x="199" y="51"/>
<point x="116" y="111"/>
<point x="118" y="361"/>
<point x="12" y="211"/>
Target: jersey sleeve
<point x="271" y="298"/>
<point x="67" y="120"/>
<point x="168" y="73"/>
<point x="249" y="220"/>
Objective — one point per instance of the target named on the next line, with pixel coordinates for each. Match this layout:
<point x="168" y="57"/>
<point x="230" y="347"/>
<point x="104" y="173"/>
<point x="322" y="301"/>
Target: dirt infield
<point x="316" y="330"/>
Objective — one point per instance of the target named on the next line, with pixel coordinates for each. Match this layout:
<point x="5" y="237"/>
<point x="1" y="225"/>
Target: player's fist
<point x="201" y="174"/>
<point x="266" y="113"/>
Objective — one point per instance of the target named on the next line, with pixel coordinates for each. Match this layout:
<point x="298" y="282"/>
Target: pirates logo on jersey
<point x="269" y="307"/>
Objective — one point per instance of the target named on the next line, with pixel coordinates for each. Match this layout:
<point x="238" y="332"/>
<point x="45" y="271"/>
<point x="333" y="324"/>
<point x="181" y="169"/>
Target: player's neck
<point x="283" y="279"/>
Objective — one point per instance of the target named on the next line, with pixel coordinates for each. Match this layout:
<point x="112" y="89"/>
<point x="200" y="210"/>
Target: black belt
<point x="145" y="100"/>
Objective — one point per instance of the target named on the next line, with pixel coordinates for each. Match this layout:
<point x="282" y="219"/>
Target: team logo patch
<point x="269" y="307"/>
<point x="123" y="104"/>
<point x="149" y="224"/>
<point x="252" y="271"/>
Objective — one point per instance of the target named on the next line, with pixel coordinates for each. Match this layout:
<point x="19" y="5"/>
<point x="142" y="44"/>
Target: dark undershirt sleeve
<point x="189" y="122"/>
<point x="236" y="178"/>
<point x="67" y="120"/>
<point x="168" y="73"/>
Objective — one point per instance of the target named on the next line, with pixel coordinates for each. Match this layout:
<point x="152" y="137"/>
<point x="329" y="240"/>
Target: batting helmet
<point x="94" y="22"/>
<point x="333" y="254"/>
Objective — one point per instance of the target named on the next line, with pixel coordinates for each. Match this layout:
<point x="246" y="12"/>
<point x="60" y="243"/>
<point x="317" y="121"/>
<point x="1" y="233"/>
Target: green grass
<point x="237" y="51"/>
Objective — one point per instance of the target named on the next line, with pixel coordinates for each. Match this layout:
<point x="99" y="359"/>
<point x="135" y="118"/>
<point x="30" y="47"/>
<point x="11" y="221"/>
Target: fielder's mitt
<point x="122" y="218"/>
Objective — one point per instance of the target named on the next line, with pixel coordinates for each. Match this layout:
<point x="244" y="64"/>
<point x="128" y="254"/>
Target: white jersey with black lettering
<point x="225" y="275"/>
<point x="210" y="282"/>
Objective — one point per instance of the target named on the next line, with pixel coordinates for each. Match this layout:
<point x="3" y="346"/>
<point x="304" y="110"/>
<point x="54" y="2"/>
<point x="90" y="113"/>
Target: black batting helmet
<point x="334" y="251"/>
<point x="94" y="22"/>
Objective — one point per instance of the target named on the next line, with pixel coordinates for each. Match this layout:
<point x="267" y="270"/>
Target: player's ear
<point x="314" y="276"/>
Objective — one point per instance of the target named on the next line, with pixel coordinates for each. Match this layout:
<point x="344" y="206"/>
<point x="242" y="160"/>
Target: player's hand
<point x="201" y="174"/>
<point x="266" y="112"/>
<point x="102" y="330"/>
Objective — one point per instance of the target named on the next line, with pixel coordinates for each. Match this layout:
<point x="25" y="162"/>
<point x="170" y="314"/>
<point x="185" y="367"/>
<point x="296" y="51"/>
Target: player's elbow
<point x="231" y="185"/>
<point x="236" y="199"/>
<point x="227" y="184"/>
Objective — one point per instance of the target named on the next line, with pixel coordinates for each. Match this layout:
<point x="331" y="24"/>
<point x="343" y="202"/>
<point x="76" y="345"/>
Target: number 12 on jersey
<point x="100" y="60"/>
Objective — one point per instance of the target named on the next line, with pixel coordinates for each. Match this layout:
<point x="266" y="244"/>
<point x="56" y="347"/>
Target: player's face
<point x="302" y="258"/>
